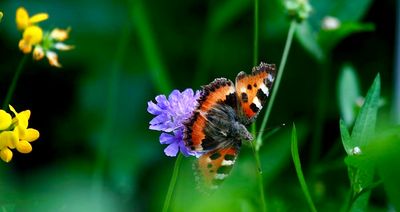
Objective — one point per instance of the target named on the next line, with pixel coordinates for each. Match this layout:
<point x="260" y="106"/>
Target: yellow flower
<point x="25" y="134"/>
<point x="15" y="133"/>
<point x="42" y="43"/>
<point x="32" y="35"/>
<point x="23" y="20"/>
<point x="1" y="16"/>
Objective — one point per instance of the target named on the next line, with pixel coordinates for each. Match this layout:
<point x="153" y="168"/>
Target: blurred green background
<point x="96" y="152"/>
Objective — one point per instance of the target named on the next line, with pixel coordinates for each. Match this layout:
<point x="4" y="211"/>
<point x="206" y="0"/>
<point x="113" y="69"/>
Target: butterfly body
<point x="218" y="125"/>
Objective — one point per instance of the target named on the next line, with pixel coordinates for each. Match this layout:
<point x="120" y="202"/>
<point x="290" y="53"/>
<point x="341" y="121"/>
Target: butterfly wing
<point x="197" y="128"/>
<point x="213" y="167"/>
<point x="253" y="90"/>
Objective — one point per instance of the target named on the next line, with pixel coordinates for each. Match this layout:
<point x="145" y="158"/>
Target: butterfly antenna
<point x="272" y="130"/>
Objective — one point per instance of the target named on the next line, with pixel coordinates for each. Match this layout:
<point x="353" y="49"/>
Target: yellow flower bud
<point x="6" y="154"/>
<point x="24" y="147"/>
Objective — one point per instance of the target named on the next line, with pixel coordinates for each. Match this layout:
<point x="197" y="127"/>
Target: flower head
<point x="170" y="115"/>
<point x="298" y="9"/>
<point x="15" y="134"/>
<point x="42" y="43"/>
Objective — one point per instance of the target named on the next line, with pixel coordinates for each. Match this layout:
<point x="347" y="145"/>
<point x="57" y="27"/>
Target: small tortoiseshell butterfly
<point x="218" y="125"/>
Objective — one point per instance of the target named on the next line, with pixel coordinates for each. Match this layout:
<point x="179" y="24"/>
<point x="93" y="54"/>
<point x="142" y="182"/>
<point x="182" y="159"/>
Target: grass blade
<point x="297" y="165"/>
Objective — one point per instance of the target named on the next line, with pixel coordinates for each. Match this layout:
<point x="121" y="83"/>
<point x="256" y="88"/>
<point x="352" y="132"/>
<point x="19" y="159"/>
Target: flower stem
<point x="259" y="178"/>
<point x="253" y="126"/>
<point x="11" y="89"/>
<point x="255" y="47"/>
<point x="172" y="182"/>
<point x="289" y="39"/>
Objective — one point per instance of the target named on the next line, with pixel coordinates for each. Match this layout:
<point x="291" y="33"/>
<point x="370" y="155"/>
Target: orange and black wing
<point x="213" y="167"/>
<point x="253" y="90"/>
<point x="219" y="91"/>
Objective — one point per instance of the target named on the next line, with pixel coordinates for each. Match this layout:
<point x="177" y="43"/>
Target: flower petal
<point x="166" y="138"/>
<point x="22" y="18"/>
<point x="31" y="135"/>
<point x="5" y="120"/>
<point x="62" y="46"/>
<point x="22" y="119"/>
<point x="38" y="18"/>
<point x="38" y="53"/>
<point x="6" y="154"/>
<point x="53" y="59"/>
<point x="185" y="151"/>
<point x="25" y="46"/>
<point x="59" y="34"/>
<point x="8" y="139"/>
<point x="33" y="35"/>
<point x="172" y="149"/>
<point x="13" y="110"/>
<point x="152" y="108"/>
<point x="162" y="102"/>
<point x="24" y="147"/>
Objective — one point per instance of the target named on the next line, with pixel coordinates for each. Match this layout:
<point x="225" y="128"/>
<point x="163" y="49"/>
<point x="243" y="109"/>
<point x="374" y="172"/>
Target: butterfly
<point x="217" y="126"/>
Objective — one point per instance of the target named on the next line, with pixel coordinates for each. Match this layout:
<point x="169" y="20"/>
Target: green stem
<point x="253" y="126"/>
<point x="289" y="39"/>
<point x="259" y="178"/>
<point x="255" y="48"/>
<point x="172" y="182"/>
<point x="146" y="37"/>
<point x="299" y="172"/>
<point x="11" y="89"/>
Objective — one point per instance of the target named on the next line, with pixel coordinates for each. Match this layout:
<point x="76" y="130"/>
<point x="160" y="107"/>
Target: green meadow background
<point x="95" y="151"/>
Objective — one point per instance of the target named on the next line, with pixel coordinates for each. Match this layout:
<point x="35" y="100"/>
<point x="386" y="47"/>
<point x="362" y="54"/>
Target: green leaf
<point x="360" y="166"/>
<point x="346" y="139"/>
<point x="297" y="165"/>
<point x="308" y="38"/>
<point x="365" y="123"/>
<point x="348" y="93"/>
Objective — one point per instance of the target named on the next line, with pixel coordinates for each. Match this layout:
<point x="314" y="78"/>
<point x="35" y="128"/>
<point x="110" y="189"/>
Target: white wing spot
<point x="227" y="163"/>
<point x="243" y="90"/>
<point x="270" y="78"/>
<point x="231" y="90"/>
<point x="264" y="89"/>
<point x="257" y="102"/>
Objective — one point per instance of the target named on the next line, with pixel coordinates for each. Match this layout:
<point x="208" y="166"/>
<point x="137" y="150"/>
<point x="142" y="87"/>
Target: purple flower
<point x="170" y="114"/>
